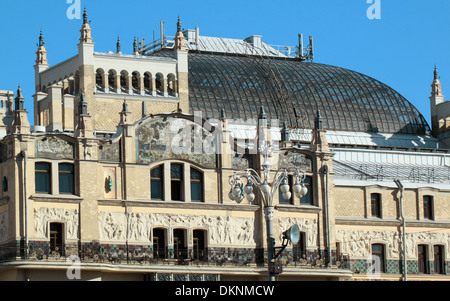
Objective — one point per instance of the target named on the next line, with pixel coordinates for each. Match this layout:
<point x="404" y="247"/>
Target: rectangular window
<point x="427" y="207"/>
<point x="179" y="244"/>
<point x="439" y="260"/>
<point x="157" y="183"/>
<point x="299" y="250"/>
<point x="375" y="201"/>
<point x="56" y="238"/>
<point x="176" y="182"/>
<point x="66" y="179"/>
<point x="308" y="198"/>
<point x="196" y="185"/>
<point x="159" y="243"/>
<point x="282" y="200"/>
<point x="378" y="265"/>
<point x="42" y="177"/>
<point x="422" y="251"/>
<point x="199" y="244"/>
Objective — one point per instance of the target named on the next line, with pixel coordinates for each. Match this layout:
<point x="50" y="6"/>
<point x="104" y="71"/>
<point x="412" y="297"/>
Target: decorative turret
<point x="319" y="141"/>
<point x="118" y="46"/>
<point x="436" y="98"/>
<point x="83" y="126"/>
<point x="20" y="124"/>
<point x="41" y="53"/>
<point x="85" y="29"/>
<point x="135" y="47"/>
<point x="180" y="40"/>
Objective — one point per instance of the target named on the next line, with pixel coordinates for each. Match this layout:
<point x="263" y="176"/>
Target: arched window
<point x="147" y="83"/>
<point x="135" y="82"/>
<point x="111" y="80"/>
<point x="123" y="81"/>
<point x="66" y="178"/>
<point x="99" y="80"/>
<point x="171" y="85"/>
<point x="159" y="84"/>
<point x="157" y="183"/>
<point x="176" y="182"/>
<point x="42" y="177"/>
<point x="196" y="185"/>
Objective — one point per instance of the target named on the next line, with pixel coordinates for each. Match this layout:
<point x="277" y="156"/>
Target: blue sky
<point x="400" y="49"/>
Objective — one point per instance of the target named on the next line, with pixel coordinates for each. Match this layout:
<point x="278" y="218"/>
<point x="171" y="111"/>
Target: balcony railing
<point x="96" y="253"/>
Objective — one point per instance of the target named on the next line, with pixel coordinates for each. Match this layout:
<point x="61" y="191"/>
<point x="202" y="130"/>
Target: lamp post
<point x="267" y="189"/>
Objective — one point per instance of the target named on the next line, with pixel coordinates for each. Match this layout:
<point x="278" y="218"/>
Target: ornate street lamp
<point x="267" y="189"/>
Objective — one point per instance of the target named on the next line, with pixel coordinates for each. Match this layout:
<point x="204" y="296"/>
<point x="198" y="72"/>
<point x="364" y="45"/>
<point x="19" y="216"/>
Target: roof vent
<point x="255" y="40"/>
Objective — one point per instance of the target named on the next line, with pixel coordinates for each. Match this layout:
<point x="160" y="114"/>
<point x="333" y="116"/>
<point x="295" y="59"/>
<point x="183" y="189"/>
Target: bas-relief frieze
<point x="306" y="225"/>
<point x="175" y="138"/>
<point x="137" y="227"/>
<point x="44" y="216"/>
<point x="3" y="226"/>
<point x="53" y="147"/>
<point x="357" y="243"/>
<point x="295" y="159"/>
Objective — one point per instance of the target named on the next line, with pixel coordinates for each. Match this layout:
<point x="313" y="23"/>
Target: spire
<point x="436" y="86"/>
<point x="435" y="73"/>
<point x="41" y="39"/>
<point x="119" y="46"/>
<point x="20" y="101"/>
<point x="179" y="24"/>
<point x="85" y="29"/>
<point x="180" y="41"/>
<point x="85" y="16"/>
<point x="318" y="121"/>
<point x="135" y="47"/>
<point x="262" y="113"/>
<point x="82" y="105"/>
<point x="41" y="53"/>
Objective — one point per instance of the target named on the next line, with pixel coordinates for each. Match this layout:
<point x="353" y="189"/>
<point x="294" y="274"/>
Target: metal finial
<point x="20" y="102"/>
<point x="85" y="16"/>
<point x="262" y="113"/>
<point x="222" y="113"/>
<point x="82" y="105"/>
<point x="124" y="105"/>
<point x="118" y="45"/>
<point x="41" y="39"/>
<point x="179" y="24"/>
<point x="435" y="72"/>
<point x="318" y="121"/>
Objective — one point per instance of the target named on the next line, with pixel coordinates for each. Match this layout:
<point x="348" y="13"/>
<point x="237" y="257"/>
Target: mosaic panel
<point x="52" y="147"/>
<point x="295" y="159"/>
<point x="175" y="138"/>
<point x="109" y="152"/>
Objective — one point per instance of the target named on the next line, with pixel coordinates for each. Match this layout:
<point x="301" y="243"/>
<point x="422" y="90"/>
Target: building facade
<point x="125" y="174"/>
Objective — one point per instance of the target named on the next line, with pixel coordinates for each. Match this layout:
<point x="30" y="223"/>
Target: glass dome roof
<point x="293" y="91"/>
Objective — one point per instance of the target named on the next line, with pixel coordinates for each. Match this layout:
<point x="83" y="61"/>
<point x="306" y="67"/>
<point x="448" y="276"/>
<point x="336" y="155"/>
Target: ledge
<point x="348" y="220"/>
<point x="178" y="205"/>
<point x="56" y="198"/>
<point x="298" y="208"/>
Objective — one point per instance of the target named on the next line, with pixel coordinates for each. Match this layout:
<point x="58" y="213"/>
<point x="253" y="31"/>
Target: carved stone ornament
<point x="137" y="227"/>
<point x="53" y="147"/>
<point x="44" y="216"/>
<point x="357" y="243"/>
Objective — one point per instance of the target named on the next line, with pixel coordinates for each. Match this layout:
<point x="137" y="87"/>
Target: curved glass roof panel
<point x="293" y="91"/>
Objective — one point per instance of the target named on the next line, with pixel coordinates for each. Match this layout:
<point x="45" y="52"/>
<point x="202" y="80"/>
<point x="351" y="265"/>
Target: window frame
<point x="194" y="181"/>
<point x="375" y="205"/>
<point x="64" y="172"/>
<point x="154" y="179"/>
<point x="178" y="181"/>
<point x="428" y="206"/>
<point x="381" y="255"/>
<point x="47" y="172"/>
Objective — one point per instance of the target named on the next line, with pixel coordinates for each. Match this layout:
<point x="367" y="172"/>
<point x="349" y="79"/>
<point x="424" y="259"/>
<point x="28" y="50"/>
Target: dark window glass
<point x="375" y="200"/>
<point x="199" y="244"/>
<point x="378" y="265"/>
<point x="422" y="251"/>
<point x="282" y="200"/>
<point x="179" y="243"/>
<point x="66" y="179"/>
<point x="176" y="183"/>
<point x="157" y="183"/>
<point x="299" y="250"/>
<point x="159" y="243"/>
<point x="42" y="177"/>
<point x="308" y="198"/>
<point x="428" y="207"/>
<point x="56" y="238"/>
<point x="439" y="260"/>
<point x="196" y="185"/>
